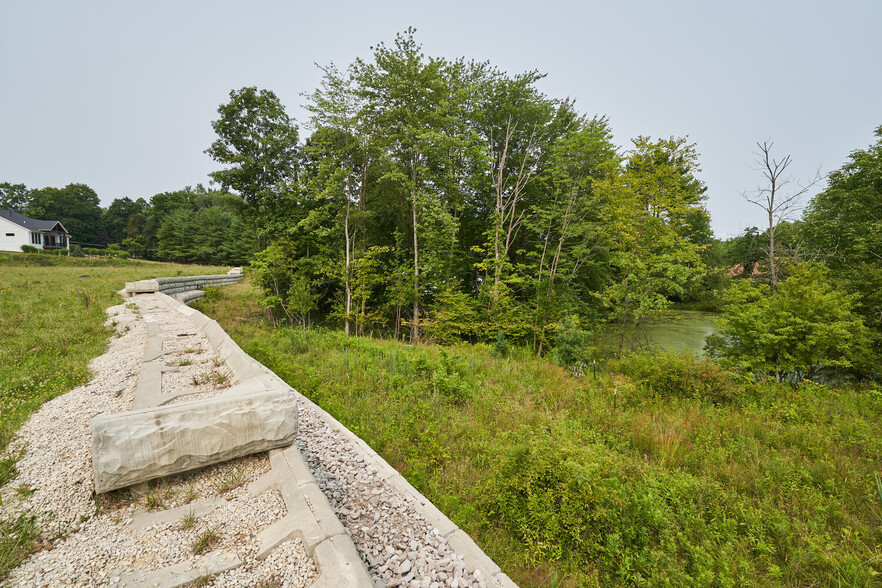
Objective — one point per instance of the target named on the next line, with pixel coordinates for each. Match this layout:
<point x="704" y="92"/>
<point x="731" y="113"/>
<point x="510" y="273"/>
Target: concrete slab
<point x="144" y="519"/>
<point x="153" y="349"/>
<point x="339" y="564"/>
<point x="179" y="574"/>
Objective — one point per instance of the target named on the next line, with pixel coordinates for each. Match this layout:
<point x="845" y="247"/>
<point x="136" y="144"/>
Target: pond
<point x="682" y="329"/>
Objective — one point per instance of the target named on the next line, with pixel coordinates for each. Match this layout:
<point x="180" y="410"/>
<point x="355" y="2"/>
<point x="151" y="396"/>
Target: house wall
<point x="20" y="236"/>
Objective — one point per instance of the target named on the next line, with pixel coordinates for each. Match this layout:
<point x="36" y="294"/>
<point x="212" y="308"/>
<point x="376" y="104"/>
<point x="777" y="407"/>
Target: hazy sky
<point x="121" y="95"/>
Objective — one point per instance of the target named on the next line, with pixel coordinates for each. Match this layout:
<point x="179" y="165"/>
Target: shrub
<point x="76" y="251"/>
<point x="29" y="249"/>
<point x="571" y="343"/>
<point x="123" y="255"/>
<point x="680" y="375"/>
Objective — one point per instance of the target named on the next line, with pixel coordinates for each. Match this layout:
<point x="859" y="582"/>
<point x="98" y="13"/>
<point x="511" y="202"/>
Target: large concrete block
<point x="141" y="445"/>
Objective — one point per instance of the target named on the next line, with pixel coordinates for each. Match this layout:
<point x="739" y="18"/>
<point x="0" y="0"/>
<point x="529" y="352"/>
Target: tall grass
<point x="51" y="325"/>
<point x="692" y="476"/>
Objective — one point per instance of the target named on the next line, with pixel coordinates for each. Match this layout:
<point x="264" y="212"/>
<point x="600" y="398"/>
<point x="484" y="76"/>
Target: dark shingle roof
<point x="30" y="223"/>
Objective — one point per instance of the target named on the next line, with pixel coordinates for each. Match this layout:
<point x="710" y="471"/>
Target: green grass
<point x="692" y="476"/>
<point x="51" y="325"/>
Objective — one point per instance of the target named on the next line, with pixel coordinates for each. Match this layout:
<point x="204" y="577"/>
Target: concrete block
<point x="142" y="286"/>
<point x="215" y="562"/>
<point x="137" y="446"/>
<point x="339" y="564"/>
<point x="321" y="509"/>
<point x="153" y="349"/>
<point x="299" y="468"/>
<point x="263" y="483"/>
<point x="474" y="557"/>
<point x="144" y="519"/>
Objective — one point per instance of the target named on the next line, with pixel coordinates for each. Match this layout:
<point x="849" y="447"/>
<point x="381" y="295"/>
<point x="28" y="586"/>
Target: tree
<point x="809" y="325"/>
<point x="775" y="197"/>
<point x="258" y="141"/>
<point x="342" y="161"/>
<point x="646" y="204"/>
<point x="14" y="197"/>
<point x="76" y="206"/>
<point x="411" y="107"/>
<point x="843" y="226"/>
<point x="119" y="223"/>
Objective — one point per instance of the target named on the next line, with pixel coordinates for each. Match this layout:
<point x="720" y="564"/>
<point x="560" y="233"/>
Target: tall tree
<point x="342" y="154"/>
<point x="14" y="197"/>
<point x="258" y="141"/>
<point x="646" y="203"/>
<point x="410" y="106"/>
<point x="77" y="206"/>
<point x="777" y="197"/>
<point x="843" y="226"/>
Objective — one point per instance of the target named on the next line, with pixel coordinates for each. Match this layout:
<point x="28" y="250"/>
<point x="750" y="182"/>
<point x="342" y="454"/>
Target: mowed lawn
<point x="52" y="323"/>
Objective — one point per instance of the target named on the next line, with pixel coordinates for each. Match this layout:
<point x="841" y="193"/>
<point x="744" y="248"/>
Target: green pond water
<point x="682" y="329"/>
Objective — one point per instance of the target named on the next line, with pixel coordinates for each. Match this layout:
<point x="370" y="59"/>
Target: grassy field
<point x="51" y="325"/>
<point x="662" y="471"/>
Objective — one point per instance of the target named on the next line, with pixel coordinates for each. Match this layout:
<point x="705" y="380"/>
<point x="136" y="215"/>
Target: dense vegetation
<point x="511" y="243"/>
<point x="662" y="471"/>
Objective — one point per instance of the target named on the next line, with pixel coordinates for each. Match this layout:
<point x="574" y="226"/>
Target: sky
<point x="121" y="95"/>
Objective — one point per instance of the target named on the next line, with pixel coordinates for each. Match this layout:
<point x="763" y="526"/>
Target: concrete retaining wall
<point x="247" y="368"/>
<point x="178" y="284"/>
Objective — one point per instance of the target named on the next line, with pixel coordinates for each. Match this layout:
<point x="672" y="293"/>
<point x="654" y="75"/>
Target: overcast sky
<point x="121" y="95"/>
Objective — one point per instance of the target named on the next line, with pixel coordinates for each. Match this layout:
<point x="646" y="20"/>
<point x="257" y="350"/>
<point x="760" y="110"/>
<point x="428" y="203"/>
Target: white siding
<point x="20" y="236"/>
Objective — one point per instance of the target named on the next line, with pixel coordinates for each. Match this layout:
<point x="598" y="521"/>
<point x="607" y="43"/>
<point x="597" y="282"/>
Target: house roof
<point x="31" y="224"/>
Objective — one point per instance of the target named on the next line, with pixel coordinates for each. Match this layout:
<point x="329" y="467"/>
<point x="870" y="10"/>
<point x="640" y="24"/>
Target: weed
<point x="230" y="479"/>
<point x="189" y="520"/>
<point x="152" y="501"/>
<point x="190" y="495"/>
<point x="23" y="491"/>
<point x="183" y="362"/>
<point x="205" y="541"/>
<point x="201" y="581"/>
<point x="18" y="536"/>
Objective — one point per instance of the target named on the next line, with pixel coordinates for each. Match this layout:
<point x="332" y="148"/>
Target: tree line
<point x="193" y="225"/>
<point x="450" y="200"/>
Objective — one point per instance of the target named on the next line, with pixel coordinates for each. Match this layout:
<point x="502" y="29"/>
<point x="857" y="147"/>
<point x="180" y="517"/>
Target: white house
<point x="17" y="230"/>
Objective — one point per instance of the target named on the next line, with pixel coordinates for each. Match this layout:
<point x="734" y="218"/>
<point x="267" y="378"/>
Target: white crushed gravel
<point x="399" y="547"/>
<point x="93" y="544"/>
<point x="90" y="544"/>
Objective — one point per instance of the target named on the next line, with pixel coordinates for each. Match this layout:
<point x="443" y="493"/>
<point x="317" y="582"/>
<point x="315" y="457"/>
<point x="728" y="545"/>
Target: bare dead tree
<point x="777" y="196"/>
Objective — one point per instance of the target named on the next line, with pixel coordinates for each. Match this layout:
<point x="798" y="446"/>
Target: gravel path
<point x="92" y="543"/>
<point x="89" y="543"/>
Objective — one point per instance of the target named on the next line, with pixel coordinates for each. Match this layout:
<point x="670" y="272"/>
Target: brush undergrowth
<point x="664" y="471"/>
<point x="51" y="325"/>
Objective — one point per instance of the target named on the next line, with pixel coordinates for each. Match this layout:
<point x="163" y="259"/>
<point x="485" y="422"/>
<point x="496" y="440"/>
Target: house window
<point x="35" y="239"/>
<point x="10" y="234"/>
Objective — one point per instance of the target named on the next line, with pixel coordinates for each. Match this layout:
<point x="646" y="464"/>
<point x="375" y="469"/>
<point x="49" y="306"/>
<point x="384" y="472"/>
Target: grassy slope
<point x="51" y="325"/>
<point x="686" y="477"/>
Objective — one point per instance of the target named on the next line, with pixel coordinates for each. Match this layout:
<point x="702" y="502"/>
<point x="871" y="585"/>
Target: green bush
<point x="123" y="255"/>
<point x="680" y="375"/>
<point x="571" y="343"/>
<point x="29" y="249"/>
<point x="590" y="508"/>
<point x="76" y="251"/>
